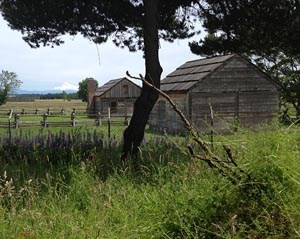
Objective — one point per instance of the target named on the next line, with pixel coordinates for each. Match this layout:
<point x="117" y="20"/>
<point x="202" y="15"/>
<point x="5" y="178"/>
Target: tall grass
<point x="82" y="190"/>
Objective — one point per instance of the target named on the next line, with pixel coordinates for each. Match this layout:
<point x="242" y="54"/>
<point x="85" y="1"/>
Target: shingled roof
<point x="107" y="86"/>
<point x="190" y="73"/>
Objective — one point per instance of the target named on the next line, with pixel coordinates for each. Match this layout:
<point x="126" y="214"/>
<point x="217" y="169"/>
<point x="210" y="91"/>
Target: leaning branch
<point x="186" y="122"/>
<point x="228" y="167"/>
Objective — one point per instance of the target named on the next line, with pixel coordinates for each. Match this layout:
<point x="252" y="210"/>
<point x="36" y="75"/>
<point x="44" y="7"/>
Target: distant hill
<point x="41" y="92"/>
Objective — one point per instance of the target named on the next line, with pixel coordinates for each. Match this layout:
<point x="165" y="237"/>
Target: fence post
<point x="36" y="111"/>
<point x="23" y="112"/>
<point x="10" y="113"/>
<point x="108" y="122"/>
<point x="98" y="119"/>
<point x="62" y="111"/>
<point x="9" y="130"/>
<point x="48" y="111"/>
<point x="126" y="122"/>
<point x="17" y="117"/>
<point x="44" y="122"/>
<point x="73" y="117"/>
<point x="9" y="124"/>
<point x="212" y="127"/>
<point x="237" y="111"/>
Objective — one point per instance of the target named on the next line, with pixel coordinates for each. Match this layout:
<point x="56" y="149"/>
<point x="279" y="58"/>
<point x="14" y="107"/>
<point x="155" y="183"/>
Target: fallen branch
<point x="227" y="168"/>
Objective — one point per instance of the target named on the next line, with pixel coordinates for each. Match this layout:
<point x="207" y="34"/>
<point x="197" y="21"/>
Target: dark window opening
<point x="125" y="89"/>
<point x="113" y="107"/>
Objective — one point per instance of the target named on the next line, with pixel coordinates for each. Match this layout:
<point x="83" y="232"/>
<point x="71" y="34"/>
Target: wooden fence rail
<point x="13" y="120"/>
<point x="38" y="111"/>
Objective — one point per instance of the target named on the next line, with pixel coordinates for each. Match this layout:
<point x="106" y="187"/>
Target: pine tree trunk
<point x="134" y="133"/>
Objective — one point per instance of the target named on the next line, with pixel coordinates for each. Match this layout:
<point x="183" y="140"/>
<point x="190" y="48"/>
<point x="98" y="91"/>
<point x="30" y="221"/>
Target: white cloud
<point x="66" y="86"/>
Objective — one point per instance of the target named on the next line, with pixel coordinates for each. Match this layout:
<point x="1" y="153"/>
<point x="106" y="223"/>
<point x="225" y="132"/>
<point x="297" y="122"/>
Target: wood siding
<point x="238" y="92"/>
<point x="124" y="106"/>
<point x="119" y="98"/>
<point x="235" y="75"/>
<point x="164" y="118"/>
<point x="118" y="91"/>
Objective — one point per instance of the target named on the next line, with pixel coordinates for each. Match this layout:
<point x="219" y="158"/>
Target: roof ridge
<point x="117" y="79"/>
<point x="196" y="68"/>
<point x="211" y="57"/>
<point x="178" y="82"/>
<point x="207" y="64"/>
<point x="110" y="81"/>
<point x="191" y="73"/>
<point x="110" y="84"/>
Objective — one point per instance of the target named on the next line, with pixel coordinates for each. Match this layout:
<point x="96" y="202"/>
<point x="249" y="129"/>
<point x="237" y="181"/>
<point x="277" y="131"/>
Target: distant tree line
<point x="52" y="96"/>
<point x="63" y="96"/>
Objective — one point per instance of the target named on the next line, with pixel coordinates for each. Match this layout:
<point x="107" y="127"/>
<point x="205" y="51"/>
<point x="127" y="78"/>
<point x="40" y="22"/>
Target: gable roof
<point x="109" y="85"/>
<point x="190" y="73"/>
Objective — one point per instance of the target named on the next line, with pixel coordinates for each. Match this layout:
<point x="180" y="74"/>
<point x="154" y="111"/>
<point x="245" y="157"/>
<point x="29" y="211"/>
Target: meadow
<point x="72" y="184"/>
<point x="55" y="105"/>
<point x="30" y="123"/>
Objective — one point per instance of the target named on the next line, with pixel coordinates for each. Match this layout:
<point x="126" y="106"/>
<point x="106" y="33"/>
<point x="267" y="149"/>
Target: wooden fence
<point x="50" y="111"/>
<point x="15" y="119"/>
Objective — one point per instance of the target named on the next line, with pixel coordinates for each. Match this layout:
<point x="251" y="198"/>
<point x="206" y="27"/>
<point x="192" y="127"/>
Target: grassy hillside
<point x="74" y="186"/>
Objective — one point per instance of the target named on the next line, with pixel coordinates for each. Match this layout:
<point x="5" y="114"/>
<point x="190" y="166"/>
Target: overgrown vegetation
<point x="74" y="186"/>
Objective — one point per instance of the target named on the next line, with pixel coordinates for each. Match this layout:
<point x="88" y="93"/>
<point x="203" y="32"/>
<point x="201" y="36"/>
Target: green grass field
<point x="70" y="183"/>
<point x="86" y="192"/>
<point x="43" y="105"/>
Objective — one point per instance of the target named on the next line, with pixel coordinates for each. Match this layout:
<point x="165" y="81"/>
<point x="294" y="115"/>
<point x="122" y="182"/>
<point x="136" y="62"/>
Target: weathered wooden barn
<point x="119" y="95"/>
<point x="235" y="90"/>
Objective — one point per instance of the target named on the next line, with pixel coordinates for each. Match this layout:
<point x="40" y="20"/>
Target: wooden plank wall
<point x="124" y="100"/>
<point x="124" y="105"/>
<point x="236" y="90"/>
<point x="117" y="91"/>
<point x="236" y="74"/>
<point x="164" y="118"/>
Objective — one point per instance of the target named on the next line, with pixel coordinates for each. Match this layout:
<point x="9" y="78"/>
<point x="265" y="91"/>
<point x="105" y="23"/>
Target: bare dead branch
<point x="227" y="168"/>
<point x="186" y="122"/>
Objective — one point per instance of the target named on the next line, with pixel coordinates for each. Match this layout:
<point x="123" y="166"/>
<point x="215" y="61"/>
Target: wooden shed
<point x="233" y="89"/>
<point x="119" y="95"/>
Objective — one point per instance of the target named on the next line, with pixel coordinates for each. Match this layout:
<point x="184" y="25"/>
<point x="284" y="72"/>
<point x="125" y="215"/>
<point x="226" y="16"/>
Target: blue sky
<point x="48" y="68"/>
